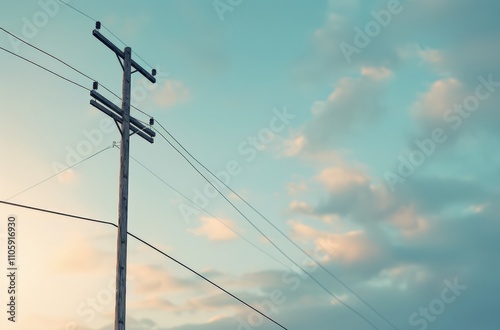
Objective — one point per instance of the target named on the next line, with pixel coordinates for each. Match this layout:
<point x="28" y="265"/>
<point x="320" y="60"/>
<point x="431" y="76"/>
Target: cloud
<point x="397" y="279"/>
<point x="155" y="280"/>
<point x="376" y="73"/>
<point x="409" y="222"/>
<point x="354" y="103"/>
<point x="294" y="145"/>
<point x="78" y="255"/>
<point x="350" y="193"/>
<point x="171" y="93"/>
<point x="68" y="176"/>
<point x="428" y="55"/>
<point x="440" y="97"/>
<point x="401" y="277"/>
<point x="339" y="178"/>
<point x="295" y="188"/>
<point x="349" y="247"/>
<point x="154" y="303"/>
<point x="300" y="207"/>
<point x="214" y="230"/>
<point x="298" y="146"/>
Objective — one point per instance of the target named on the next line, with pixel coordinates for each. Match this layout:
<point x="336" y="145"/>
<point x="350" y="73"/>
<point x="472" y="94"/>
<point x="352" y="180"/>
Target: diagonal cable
<point x="281" y="232"/>
<point x="56" y="174"/>
<point x="152" y="247"/>
<point x="268" y="239"/>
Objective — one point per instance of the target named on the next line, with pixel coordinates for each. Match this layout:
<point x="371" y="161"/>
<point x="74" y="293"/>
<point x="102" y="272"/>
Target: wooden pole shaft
<point x="121" y="266"/>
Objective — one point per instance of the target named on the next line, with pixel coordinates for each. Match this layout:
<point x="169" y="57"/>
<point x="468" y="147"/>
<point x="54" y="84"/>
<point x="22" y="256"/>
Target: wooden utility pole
<point x="128" y="123"/>
<point x="121" y="265"/>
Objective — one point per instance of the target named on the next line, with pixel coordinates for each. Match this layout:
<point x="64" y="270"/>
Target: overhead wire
<point x="71" y="67"/>
<point x="58" y="173"/>
<point x="279" y="230"/>
<point x="63" y="214"/>
<point x="104" y="26"/>
<point x="78" y="71"/>
<point x="209" y="213"/>
<point x="247" y="219"/>
<point x="44" y="68"/>
<point x="340" y="301"/>
<point x="201" y="164"/>
<point x="82" y="218"/>
<point x="44" y="52"/>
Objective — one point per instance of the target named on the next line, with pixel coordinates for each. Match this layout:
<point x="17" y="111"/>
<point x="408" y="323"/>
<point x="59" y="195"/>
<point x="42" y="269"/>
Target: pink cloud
<point x="171" y="93"/>
<point x="301" y="207"/>
<point x="214" y="230"/>
<point x="349" y="247"/>
<point x="148" y="279"/>
<point x="376" y="73"/>
<point x="339" y="178"/>
<point x="441" y="95"/>
<point x="78" y="255"/>
<point x="409" y="222"/>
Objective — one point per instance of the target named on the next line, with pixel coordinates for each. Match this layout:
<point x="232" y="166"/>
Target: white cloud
<point x="427" y="55"/>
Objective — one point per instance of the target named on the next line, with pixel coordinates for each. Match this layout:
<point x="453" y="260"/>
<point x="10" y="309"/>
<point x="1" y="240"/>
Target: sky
<point x="365" y="131"/>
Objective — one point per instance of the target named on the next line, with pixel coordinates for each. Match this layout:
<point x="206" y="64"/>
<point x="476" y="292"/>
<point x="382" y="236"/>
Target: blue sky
<point x="366" y="131"/>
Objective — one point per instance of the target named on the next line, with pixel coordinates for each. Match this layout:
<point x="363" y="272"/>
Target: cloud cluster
<point x="395" y="250"/>
<point x="215" y="230"/>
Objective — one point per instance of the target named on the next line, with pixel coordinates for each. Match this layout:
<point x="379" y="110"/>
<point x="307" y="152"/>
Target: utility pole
<point x="128" y="123"/>
<point x="121" y="265"/>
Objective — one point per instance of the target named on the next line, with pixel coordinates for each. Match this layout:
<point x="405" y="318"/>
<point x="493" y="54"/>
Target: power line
<point x="43" y="51"/>
<point x="77" y="10"/>
<point x="208" y="212"/>
<point x="56" y="74"/>
<point x="159" y="123"/>
<point x="164" y="182"/>
<point x="44" y="68"/>
<point x="274" y="226"/>
<point x="114" y="225"/>
<point x="267" y="238"/>
<point x="33" y="208"/>
<point x="297" y="246"/>
<point x="149" y="245"/>
<point x="56" y="174"/>
<point x="83" y="74"/>
<point x="109" y="30"/>
<point x="88" y="219"/>
<point x="69" y="66"/>
<point x="317" y="262"/>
